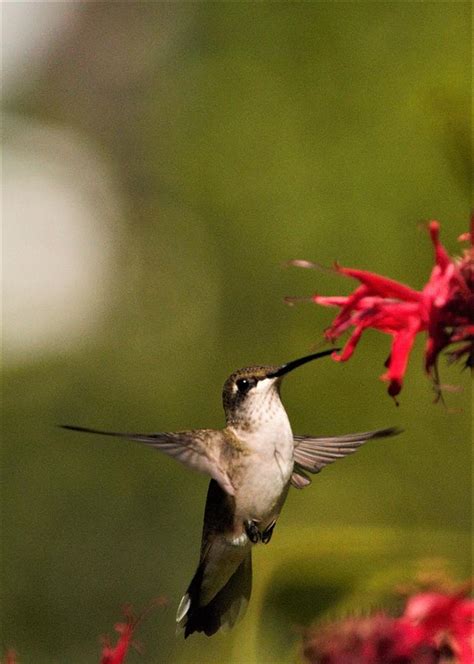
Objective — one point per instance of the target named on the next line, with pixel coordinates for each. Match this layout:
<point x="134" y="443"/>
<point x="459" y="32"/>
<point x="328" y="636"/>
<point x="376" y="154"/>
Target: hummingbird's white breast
<point x="267" y="467"/>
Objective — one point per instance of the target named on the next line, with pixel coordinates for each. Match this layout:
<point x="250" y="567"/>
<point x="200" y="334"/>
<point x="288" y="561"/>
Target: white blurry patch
<point x="57" y="210"/>
<point x="183" y="608"/>
<point x="239" y="540"/>
<point x="29" y="30"/>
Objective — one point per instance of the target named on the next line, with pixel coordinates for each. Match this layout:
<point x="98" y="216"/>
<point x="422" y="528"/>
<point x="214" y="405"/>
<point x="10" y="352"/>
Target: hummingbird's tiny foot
<point x="240" y="540"/>
<point x="252" y="531"/>
<point x="268" y="532"/>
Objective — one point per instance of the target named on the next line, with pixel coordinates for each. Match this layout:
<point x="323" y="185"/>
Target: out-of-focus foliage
<point x="237" y="136"/>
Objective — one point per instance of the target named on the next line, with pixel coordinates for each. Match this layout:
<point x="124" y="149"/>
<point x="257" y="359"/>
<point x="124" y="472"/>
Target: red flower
<point x="10" y="657"/>
<point x="444" y="309"/>
<point x="378" y="639"/>
<point x="446" y="620"/>
<point x="435" y="627"/>
<point x="116" y="654"/>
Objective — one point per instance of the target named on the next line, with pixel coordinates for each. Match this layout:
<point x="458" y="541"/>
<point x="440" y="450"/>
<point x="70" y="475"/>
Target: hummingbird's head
<point x="251" y="395"/>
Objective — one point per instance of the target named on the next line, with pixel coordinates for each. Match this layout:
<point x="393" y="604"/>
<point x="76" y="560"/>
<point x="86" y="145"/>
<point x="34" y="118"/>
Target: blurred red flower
<point x="444" y="309"/>
<point x="10" y="657"/>
<point x="379" y="639"/>
<point x="435" y="627"/>
<point x="116" y="654"/>
<point x="446" y="620"/>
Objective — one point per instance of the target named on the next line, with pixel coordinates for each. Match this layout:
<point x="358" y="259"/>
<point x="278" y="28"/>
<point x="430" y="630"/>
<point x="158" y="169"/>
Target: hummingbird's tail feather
<point x="223" y="610"/>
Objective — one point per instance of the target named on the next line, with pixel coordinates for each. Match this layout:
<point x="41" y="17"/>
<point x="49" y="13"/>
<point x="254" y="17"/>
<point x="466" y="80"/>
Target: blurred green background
<point x="195" y="149"/>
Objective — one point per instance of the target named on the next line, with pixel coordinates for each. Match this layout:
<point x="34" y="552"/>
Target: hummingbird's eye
<point x="245" y="384"/>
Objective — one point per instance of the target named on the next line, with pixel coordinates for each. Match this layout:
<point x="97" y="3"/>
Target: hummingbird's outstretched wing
<point x="198" y="449"/>
<point x="313" y="454"/>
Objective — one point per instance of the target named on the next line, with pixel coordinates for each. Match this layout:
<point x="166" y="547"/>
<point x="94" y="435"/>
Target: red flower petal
<point x="444" y="309"/>
<point x="350" y="346"/>
<point x="379" y="285"/>
<point x="116" y="654"/>
<point x="400" y="353"/>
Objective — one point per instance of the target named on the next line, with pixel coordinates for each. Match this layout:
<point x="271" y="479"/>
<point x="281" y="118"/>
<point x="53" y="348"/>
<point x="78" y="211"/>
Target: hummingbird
<point x="253" y="461"/>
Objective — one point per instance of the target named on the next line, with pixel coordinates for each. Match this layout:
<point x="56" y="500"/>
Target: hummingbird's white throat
<point x="263" y="422"/>
<point x="262" y="411"/>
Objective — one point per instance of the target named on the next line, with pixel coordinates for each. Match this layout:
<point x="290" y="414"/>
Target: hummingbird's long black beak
<point x="289" y="366"/>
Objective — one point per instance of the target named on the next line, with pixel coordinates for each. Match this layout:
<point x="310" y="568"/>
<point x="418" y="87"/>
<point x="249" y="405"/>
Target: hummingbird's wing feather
<point x="313" y="454"/>
<point x="299" y="479"/>
<point x="198" y="449"/>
